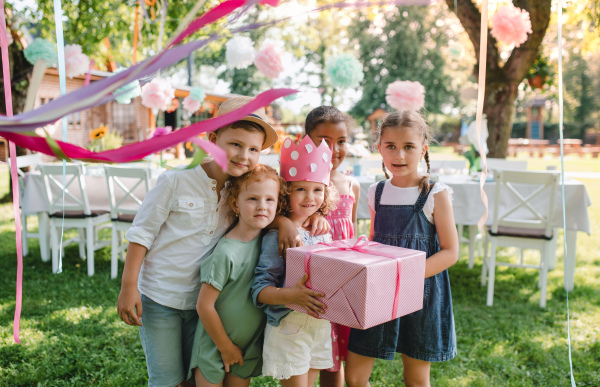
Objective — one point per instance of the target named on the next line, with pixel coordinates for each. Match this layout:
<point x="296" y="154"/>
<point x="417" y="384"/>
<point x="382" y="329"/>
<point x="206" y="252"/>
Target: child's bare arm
<point x="129" y="305"/>
<point x="372" y="228"/>
<point x="298" y="294"/>
<point x="443" y="218"/>
<point x="230" y="353"/>
<point x="356" y="191"/>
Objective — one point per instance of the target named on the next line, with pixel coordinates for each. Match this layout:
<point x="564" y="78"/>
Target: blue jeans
<point x="167" y="335"/>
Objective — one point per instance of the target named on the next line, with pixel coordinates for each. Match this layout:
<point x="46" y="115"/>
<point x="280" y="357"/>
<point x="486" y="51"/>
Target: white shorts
<point x="299" y="343"/>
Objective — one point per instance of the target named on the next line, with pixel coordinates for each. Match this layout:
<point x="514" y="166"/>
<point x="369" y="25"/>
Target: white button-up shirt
<point x="179" y="222"/>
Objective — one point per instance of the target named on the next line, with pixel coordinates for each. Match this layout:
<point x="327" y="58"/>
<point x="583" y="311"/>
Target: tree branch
<point x="522" y="57"/>
<point x="470" y="18"/>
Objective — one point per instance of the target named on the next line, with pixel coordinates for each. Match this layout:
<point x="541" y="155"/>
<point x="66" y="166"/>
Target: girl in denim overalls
<point x="408" y="211"/>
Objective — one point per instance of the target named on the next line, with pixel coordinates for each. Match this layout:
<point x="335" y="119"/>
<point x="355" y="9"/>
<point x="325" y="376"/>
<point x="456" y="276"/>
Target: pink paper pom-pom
<point x="157" y="94"/>
<point x="160" y="132"/>
<point x="511" y="25"/>
<point x="191" y="105"/>
<point x="76" y="62"/>
<point x="405" y="95"/>
<point x="269" y="61"/>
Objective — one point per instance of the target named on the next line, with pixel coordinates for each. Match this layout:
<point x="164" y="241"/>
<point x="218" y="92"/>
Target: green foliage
<point x="89" y="22"/>
<point x="112" y="140"/>
<point x="403" y="44"/>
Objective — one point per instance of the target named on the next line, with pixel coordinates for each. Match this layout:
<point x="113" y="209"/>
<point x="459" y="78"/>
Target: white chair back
<point x="32" y="161"/>
<point x="535" y="193"/>
<point x="75" y="196"/>
<point x="497" y="164"/>
<point x="122" y="184"/>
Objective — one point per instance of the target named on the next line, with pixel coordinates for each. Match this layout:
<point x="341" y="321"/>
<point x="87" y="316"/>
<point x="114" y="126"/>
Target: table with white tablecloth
<point x="34" y="200"/>
<point x="468" y="208"/>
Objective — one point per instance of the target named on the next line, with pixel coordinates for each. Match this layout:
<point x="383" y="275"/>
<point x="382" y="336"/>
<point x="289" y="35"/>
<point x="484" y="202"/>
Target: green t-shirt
<point x="230" y="269"/>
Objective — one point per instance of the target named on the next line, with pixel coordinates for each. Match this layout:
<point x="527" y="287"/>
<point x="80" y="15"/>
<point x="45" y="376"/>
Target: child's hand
<point x="288" y="237"/>
<point x="306" y="298"/>
<point x="129" y="305"/>
<point x="320" y="225"/>
<point x="231" y="355"/>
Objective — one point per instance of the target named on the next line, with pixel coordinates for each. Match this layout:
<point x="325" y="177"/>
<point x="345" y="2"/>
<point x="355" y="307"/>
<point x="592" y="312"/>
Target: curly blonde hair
<point x="329" y="202"/>
<point x="260" y="173"/>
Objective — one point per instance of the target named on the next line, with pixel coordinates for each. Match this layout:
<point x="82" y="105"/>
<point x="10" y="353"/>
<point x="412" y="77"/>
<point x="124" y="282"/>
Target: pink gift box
<point x="365" y="283"/>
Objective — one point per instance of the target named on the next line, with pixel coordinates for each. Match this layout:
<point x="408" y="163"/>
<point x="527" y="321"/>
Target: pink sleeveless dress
<point x="340" y="221"/>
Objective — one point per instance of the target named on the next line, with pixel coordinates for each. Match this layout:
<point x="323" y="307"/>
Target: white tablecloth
<point x="468" y="206"/>
<point x="468" y="209"/>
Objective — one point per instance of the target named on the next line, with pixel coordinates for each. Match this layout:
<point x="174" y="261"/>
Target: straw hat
<point x="258" y="117"/>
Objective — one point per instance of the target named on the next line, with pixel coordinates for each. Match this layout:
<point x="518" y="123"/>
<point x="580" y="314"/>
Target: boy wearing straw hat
<point x="177" y="226"/>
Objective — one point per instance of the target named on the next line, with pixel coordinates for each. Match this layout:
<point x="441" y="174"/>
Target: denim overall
<point x="427" y="334"/>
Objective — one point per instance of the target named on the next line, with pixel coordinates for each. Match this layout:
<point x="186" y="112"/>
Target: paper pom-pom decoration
<point x="405" y="95"/>
<point x="41" y="49"/>
<point x="344" y="71"/>
<point x="157" y="95"/>
<point x="76" y="62"/>
<point x="269" y="61"/>
<point x="511" y="25"/>
<point x="125" y="94"/>
<point x="194" y="100"/>
<point x="239" y="52"/>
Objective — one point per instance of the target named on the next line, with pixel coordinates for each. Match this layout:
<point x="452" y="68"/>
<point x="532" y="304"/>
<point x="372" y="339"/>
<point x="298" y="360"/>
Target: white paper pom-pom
<point x="239" y="52"/>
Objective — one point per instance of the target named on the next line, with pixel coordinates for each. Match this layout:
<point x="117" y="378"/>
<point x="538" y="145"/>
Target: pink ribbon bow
<point x="361" y="246"/>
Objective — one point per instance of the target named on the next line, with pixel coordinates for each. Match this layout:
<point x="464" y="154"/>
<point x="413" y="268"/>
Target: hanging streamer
<point x="14" y="177"/>
<point x="562" y="177"/>
<point x="62" y="81"/>
<point x="480" y="100"/>
<point x="136" y="31"/>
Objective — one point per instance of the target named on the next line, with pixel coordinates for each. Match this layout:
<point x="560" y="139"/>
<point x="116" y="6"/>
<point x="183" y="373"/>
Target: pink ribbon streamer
<point x="88" y="77"/>
<point x="361" y="246"/>
<point x="480" y="100"/>
<point x="14" y="176"/>
<point x="138" y="150"/>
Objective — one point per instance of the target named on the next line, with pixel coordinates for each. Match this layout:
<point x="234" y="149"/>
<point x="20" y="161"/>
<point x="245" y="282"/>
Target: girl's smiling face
<point x="306" y="197"/>
<point x="402" y="150"/>
<point x="336" y="136"/>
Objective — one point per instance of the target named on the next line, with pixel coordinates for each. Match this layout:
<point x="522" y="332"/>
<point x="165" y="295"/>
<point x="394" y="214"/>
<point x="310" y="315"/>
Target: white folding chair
<point x="124" y="204"/>
<point x="525" y="223"/>
<point x="75" y="209"/>
<point x="31" y="161"/>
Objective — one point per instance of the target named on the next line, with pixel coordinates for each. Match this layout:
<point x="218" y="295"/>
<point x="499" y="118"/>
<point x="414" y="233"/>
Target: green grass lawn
<point x="71" y="334"/>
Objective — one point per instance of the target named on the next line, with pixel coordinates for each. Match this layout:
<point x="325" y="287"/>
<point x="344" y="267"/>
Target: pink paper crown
<point x="305" y="161"/>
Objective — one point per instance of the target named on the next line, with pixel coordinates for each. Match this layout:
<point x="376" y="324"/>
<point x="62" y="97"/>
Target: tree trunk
<point x="499" y="109"/>
<point x="503" y="79"/>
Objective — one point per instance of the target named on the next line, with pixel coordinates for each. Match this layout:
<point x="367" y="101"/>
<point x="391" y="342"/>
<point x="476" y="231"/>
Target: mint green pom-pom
<point x="197" y="94"/>
<point x="344" y="71"/>
<point x="125" y="94"/>
<point x="41" y="49"/>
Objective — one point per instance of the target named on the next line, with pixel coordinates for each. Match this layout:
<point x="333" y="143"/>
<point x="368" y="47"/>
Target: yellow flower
<point x="99" y="132"/>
